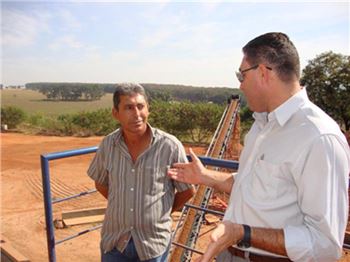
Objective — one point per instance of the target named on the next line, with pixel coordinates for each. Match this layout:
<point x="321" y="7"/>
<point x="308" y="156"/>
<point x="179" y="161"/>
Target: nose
<point x="137" y="112"/>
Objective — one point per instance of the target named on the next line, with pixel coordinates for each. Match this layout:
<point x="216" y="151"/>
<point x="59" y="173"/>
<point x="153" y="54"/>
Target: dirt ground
<point x="22" y="208"/>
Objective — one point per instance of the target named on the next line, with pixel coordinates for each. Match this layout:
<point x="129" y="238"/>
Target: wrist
<point x="245" y="241"/>
<point x="206" y="178"/>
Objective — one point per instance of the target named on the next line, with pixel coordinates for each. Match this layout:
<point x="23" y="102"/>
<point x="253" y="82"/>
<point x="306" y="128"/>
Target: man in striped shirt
<point x="129" y="170"/>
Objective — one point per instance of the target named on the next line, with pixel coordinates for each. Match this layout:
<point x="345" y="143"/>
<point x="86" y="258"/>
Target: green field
<point x="34" y="102"/>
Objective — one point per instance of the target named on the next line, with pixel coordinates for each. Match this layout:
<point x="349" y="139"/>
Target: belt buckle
<point x="246" y="256"/>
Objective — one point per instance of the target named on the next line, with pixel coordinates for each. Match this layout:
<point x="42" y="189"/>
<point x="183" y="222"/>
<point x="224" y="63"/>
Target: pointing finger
<point x="180" y="165"/>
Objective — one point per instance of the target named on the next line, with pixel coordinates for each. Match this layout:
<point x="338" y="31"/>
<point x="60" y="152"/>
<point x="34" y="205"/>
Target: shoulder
<point x="317" y="124"/>
<point x="110" y="138"/>
<point x="318" y="120"/>
<point x="166" y="138"/>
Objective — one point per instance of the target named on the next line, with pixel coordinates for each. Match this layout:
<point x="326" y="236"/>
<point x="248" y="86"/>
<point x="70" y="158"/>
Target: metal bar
<point x="69" y="153"/>
<point x="210" y="147"/>
<point x="209" y="161"/>
<point x="346" y="246"/>
<point x="79" y="234"/>
<point x="45" y="172"/>
<point x="205" y="210"/>
<point x="50" y="234"/>
<point x="58" y="200"/>
<point x="188" y="248"/>
<point x="181" y="218"/>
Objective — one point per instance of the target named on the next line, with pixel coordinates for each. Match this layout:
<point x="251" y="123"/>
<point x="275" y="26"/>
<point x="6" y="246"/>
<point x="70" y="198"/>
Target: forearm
<point x="102" y="189"/>
<point x="181" y="198"/>
<point x="220" y="181"/>
<point x="227" y="234"/>
<point x="271" y="240"/>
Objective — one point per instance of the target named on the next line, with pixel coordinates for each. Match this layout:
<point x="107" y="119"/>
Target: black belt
<point x="255" y="257"/>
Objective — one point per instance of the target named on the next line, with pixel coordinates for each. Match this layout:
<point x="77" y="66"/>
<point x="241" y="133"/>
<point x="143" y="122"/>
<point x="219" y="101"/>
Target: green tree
<point x="205" y="121"/>
<point x="246" y="121"/>
<point x="327" y="80"/>
<point x="93" y="92"/>
<point x="196" y="122"/>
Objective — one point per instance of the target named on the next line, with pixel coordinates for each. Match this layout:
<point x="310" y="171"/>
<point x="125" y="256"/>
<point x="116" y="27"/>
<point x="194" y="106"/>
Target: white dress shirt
<point x="294" y="175"/>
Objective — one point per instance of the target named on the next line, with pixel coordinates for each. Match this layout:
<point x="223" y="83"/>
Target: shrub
<point x="12" y="116"/>
<point x="195" y="122"/>
<point x="99" y="122"/>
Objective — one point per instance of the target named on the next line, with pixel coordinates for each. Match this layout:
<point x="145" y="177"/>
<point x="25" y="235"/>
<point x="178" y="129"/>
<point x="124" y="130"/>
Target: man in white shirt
<point x="289" y="199"/>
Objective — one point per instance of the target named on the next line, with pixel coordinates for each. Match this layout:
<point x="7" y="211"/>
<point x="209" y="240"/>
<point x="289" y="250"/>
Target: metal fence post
<point x="50" y="234"/>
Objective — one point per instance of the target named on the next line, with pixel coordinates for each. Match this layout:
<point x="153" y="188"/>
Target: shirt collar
<point x="285" y="111"/>
<point x="260" y="119"/>
<point x="119" y="135"/>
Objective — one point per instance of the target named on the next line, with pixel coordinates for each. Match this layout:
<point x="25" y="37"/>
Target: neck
<point x="281" y="93"/>
<point x="134" y="139"/>
<point x="137" y="143"/>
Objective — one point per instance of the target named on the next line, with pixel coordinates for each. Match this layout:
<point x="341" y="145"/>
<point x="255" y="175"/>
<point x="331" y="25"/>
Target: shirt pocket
<point x="158" y="181"/>
<point x="267" y="181"/>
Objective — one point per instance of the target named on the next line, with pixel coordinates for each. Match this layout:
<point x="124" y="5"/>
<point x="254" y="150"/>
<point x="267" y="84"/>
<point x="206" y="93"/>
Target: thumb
<point x="194" y="156"/>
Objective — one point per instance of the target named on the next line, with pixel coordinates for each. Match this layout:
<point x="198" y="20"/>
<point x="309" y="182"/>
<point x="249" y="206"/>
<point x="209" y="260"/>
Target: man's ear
<point x="115" y="113"/>
<point x="265" y="74"/>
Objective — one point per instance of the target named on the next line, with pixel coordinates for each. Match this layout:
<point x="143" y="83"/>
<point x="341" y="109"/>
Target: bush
<point x="98" y="122"/>
<point x="195" y="122"/>
<point x="12" y="116"/>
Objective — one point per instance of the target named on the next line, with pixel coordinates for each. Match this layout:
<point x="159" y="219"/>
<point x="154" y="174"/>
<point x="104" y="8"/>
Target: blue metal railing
<point x="48" y="201"/>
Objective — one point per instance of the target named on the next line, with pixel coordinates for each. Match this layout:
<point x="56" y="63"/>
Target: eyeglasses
<point x="240" y="76"/>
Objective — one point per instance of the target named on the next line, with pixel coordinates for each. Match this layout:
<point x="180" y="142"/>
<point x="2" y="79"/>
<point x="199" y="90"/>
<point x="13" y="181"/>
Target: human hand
<point x="226" y="234"/>
<point x="191" y="173"/>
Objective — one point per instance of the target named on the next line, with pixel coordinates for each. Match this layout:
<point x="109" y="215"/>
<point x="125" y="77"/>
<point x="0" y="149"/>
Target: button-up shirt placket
<point x="265" y="129"/>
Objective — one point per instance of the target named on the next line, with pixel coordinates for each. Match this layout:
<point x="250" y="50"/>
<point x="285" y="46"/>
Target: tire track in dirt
<point x="60" y="189"/>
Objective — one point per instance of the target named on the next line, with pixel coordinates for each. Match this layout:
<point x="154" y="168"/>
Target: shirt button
<point x="131" y="209"/>
<point x="133" y="170"/>
<point x="132" y="189"/>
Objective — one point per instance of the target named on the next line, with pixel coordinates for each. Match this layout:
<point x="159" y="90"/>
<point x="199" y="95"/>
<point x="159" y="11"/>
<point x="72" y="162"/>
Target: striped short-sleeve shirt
<point x="140" y="194"/>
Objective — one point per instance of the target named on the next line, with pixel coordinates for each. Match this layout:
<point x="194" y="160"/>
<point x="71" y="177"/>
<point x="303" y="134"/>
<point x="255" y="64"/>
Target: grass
<point x="34" y="102"/>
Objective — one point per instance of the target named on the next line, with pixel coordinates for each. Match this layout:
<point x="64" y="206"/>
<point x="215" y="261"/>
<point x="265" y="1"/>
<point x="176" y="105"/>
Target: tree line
<point x="164" y="92"/>
<point x="68" y="91"/>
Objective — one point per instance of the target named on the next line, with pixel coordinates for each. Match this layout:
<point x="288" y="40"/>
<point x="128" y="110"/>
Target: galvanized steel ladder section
<point x="185" y="240"/>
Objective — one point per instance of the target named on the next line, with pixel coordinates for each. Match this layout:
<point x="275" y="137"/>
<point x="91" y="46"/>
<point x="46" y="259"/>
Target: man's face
<point x="132" y="113"/>
<point x="250" y="87"/>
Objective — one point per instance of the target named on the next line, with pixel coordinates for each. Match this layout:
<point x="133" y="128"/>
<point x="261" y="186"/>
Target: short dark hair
<point x="127" y="89"/>
<point x="277" y="51"/>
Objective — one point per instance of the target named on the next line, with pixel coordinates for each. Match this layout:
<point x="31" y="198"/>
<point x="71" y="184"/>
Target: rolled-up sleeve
<point x="323" y="199"/>
<point x="98" y="167"/>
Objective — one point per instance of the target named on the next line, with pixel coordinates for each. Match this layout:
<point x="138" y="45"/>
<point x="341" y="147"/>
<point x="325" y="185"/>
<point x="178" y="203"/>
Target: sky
<point x="167" y="42"/>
